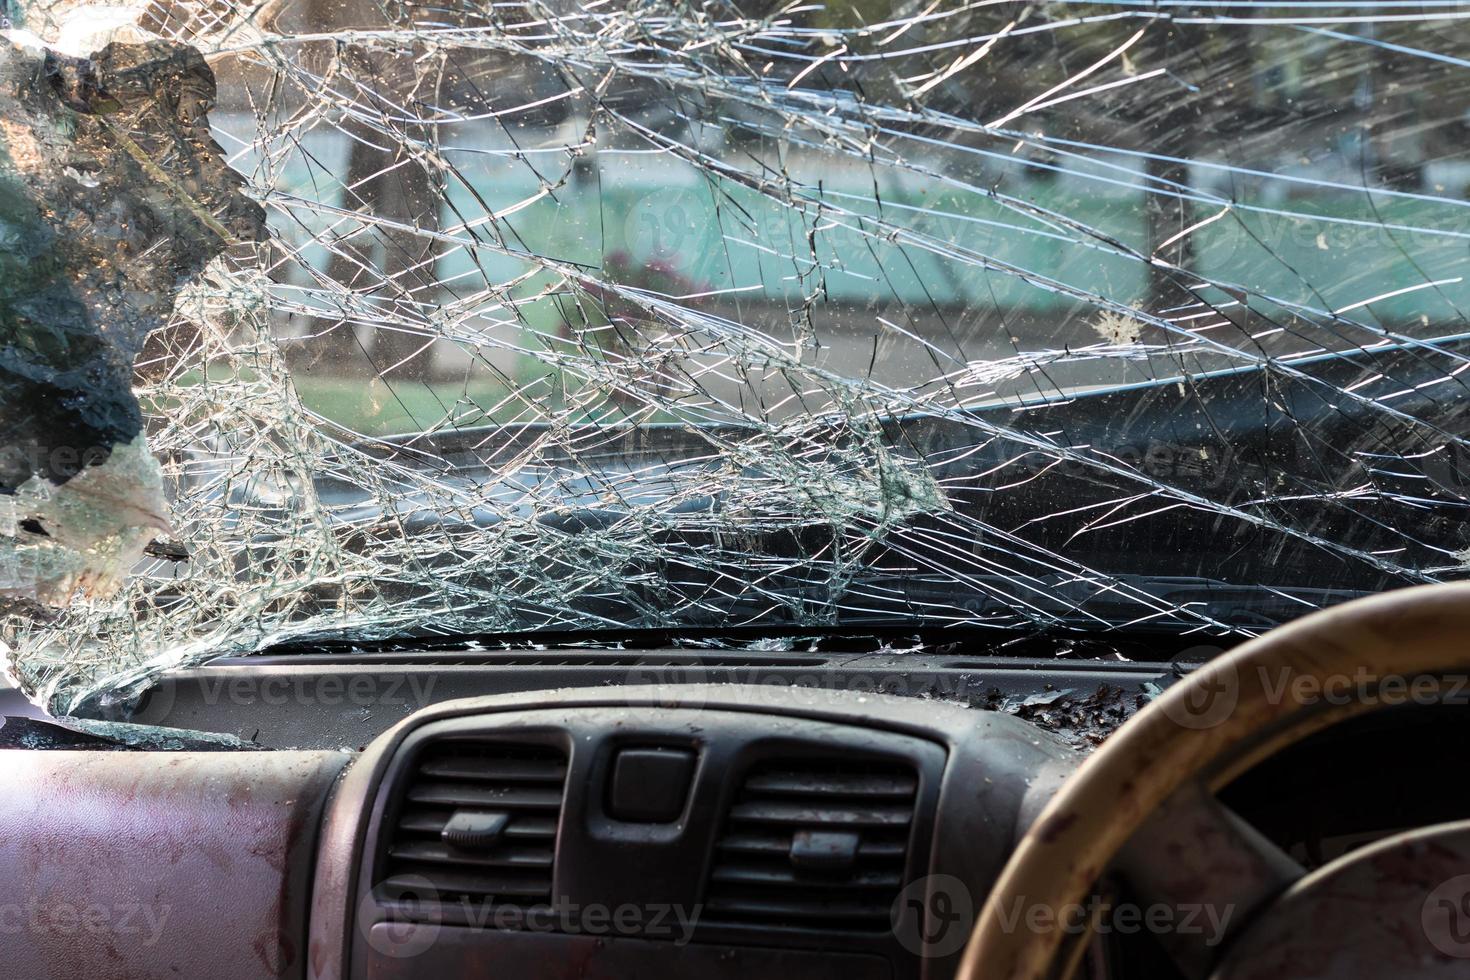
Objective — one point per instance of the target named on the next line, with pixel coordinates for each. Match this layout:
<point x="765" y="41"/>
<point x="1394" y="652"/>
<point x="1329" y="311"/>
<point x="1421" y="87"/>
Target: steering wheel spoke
<point x="1208" y="869"/>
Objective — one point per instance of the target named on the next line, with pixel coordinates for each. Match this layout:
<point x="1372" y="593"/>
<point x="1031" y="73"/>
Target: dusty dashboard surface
<point x="729" y="829"/>
<point x="610" y="832"/>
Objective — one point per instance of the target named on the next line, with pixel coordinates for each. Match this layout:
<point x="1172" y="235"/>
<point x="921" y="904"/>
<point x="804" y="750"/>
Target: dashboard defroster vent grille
<point x="475" y="828"/>
<point x="814" y="843"/>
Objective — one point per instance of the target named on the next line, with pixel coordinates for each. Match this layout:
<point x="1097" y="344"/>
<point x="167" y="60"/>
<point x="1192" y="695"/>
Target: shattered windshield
<point x="354" y="319"/>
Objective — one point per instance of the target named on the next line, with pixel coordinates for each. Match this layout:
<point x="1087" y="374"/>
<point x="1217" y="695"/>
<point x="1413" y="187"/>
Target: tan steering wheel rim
<point x="1217" y="711"/>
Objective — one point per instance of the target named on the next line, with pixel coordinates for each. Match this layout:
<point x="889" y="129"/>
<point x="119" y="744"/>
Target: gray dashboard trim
<point x="1000" y="772"/>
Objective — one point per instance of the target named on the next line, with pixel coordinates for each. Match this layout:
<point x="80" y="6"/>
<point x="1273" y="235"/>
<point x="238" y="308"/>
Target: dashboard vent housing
<point x="814" y="843"/>
<point x="475" y="827"/>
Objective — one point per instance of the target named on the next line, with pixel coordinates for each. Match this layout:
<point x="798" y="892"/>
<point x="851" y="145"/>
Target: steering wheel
<point x="1143" y="806"/>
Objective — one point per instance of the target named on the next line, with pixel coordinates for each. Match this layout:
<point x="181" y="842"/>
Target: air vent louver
<point x="477" y="821"/>
<point x="819" y="844"/>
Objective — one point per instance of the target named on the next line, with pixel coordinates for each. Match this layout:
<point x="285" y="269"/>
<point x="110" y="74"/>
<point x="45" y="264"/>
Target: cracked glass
<point x="356" y="319"/>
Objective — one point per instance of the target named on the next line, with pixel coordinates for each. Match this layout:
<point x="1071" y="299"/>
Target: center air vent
<point x="814" y="843"/>
<point x="475" y="828"/>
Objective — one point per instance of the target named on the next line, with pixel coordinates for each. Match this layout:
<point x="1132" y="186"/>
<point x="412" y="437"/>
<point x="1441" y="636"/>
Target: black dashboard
<point x="736" y="828"/>
<point x="600" y="814"/>
<point x="345" y="700"/>
<point x="575" y="813"/>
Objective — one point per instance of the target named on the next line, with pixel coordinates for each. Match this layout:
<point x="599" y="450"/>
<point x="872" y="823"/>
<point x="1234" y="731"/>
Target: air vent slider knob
<point x="824" y="850"/>
<point x="474" y="830"/>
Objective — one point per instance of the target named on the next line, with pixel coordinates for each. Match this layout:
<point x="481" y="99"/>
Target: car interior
<point x="724" y="817"/>
<point x="625" y="489"/>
